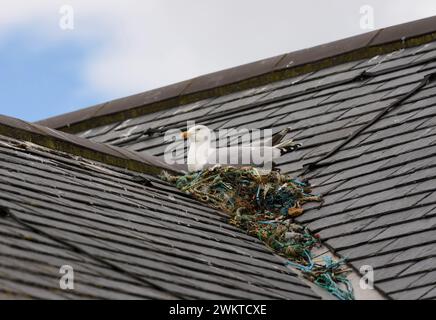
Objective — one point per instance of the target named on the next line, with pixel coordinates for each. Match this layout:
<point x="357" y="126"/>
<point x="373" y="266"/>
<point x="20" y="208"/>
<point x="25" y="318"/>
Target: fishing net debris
<point x="264" y="204"/>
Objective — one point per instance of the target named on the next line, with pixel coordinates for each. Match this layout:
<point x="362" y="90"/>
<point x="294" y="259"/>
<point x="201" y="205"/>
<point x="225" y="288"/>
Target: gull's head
<point x="197" y="134"/>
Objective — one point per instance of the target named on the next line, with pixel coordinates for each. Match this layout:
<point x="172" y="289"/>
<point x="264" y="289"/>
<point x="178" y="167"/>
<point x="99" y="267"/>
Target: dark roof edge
<point x="73" y="145"/>
<point x="249" y="75"/>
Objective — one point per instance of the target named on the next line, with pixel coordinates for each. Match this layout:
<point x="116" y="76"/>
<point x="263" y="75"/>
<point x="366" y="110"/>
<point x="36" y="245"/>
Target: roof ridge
<point x="74" y="145"/>
<point x="250" y="75"/>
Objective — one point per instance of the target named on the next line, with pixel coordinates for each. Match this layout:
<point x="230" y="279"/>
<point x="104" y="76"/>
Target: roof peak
<point x="250" y="75"/>
<point x="74" y="145"/>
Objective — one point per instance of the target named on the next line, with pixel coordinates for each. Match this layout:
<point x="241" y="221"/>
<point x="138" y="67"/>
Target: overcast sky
<point x="121" y="47"/>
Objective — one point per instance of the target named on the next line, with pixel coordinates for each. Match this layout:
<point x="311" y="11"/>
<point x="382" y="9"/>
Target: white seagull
<point x="202" y="155"/>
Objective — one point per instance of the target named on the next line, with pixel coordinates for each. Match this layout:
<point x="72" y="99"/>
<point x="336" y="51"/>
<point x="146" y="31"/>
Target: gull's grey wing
<point x="244" y="156"/>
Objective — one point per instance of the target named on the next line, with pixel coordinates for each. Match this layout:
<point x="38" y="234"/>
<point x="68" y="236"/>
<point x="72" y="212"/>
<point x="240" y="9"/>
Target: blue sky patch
<point x="39" y="80"/>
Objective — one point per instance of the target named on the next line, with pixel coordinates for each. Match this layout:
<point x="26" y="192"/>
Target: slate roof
<point x="363" y="107"/>
<point x="127" y="235"/>
<point x="379" y="188"/>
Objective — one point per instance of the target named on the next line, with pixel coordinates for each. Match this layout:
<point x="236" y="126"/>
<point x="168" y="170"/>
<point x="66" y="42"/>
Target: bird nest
<point x="265" y="204"/>
<point x="246" y="191"/>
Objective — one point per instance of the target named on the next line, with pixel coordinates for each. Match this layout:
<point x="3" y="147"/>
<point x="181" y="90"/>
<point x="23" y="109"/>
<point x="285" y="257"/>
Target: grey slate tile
<point x="407" y="228"/>
<point x="413" y="294"/>
<point x="430" y="295"/>
<point x="398" y="284"/>
<point x="426" y="278"/>
<point x="381" y="274"/>
<point x="427" y="264"/>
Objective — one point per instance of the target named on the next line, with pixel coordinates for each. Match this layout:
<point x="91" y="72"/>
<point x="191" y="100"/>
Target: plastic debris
<point x="264" y="204"/>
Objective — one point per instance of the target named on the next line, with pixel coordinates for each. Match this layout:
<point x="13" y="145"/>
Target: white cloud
<point x="139" y="45"/>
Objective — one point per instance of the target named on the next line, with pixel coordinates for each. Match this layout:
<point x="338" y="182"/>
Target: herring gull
<point x="201" y="154"/>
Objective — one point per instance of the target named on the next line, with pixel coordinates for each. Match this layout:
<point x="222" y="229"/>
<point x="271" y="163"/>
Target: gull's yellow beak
<point x="184" y="135"/>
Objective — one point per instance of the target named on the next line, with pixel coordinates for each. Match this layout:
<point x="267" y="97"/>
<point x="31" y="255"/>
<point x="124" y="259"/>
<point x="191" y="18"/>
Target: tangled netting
<point x="265" y="204"/>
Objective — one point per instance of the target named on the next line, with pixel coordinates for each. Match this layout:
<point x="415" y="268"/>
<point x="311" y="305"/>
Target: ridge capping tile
<point x="64" y="142"/>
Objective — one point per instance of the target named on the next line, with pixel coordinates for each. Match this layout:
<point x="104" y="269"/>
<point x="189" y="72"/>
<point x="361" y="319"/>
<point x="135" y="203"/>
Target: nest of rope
<point x="264" y="204"/>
